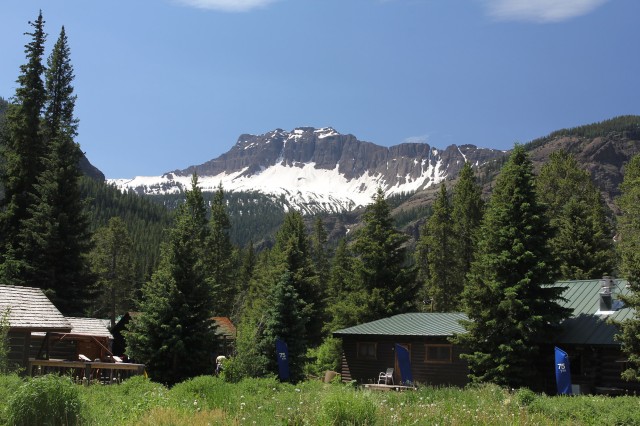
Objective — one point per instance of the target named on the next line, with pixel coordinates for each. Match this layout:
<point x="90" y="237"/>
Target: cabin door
<point x="397" y="377"/>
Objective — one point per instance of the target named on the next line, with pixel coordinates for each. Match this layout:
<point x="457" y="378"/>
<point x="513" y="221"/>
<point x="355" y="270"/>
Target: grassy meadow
<point x="211" y="401"/>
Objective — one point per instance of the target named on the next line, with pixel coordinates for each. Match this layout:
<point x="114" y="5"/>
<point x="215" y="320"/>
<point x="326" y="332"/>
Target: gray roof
<point x="31" y="310"/>
<point x="411" y="324"/>
<point x="89" y="327"/>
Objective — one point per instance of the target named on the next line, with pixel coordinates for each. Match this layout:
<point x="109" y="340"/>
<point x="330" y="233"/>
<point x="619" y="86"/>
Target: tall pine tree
<point x="467" y="210"/>
<point x="23" y="153"/>
<point x="583" y="243"/>
<point x="444" y="281"/>
<point x="629" y="252"/>
<point x="346" y="297"/>
<point x="510" y="309"/>
<point x="292" y="253"/>
<point x="174" y="335"/>
<point x="286" y="321"/>
<point x="113" y="263"/>
<point x="222" y="255"/>
<point x="319" y="252"/>
<point x="381" y="263"/>
<point x="55" y="236"/>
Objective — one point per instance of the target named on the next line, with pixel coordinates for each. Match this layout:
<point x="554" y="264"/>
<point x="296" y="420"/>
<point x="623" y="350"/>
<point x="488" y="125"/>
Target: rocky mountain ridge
<point x="319" y="170"/>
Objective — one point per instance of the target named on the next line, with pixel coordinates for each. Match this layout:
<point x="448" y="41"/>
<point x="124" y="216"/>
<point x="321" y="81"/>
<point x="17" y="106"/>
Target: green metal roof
<point x="588" y="325"/>
<point x="412" y="324"/>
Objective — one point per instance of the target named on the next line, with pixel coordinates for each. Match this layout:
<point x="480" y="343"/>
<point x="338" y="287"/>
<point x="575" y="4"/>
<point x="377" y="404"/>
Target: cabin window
<point x="438" y="353"/>
<point x="367" y="350"/>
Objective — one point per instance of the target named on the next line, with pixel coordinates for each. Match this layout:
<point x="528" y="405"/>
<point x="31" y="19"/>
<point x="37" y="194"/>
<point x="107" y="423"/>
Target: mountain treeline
<point x="96" y="251"/>
<point x="255" y="217"/>
<point x="146" y="222"/>
<point x="626" y="126"/>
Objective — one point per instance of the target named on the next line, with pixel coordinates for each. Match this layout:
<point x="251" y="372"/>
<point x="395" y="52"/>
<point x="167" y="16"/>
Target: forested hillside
<point x="625" y="126"/>
<point x="255" y="217"/>
<point x="146" y="221"/>
<point x="602" y="149"/>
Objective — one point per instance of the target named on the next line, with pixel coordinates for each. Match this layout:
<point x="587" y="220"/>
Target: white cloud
<point x="541" y="11"/>
<point x="227" y="5"/>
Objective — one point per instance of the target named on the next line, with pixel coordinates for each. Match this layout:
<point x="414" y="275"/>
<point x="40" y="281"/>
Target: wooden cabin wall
<point x="58" y="349"/>
<point x="610" y="369"/>
<point x="367" y="370"/>
<point x="594" y="368"/>
<point x="19" y="342"/>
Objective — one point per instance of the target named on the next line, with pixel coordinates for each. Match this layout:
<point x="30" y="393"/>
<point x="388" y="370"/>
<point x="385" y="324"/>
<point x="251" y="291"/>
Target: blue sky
<point x="165" y="84"/>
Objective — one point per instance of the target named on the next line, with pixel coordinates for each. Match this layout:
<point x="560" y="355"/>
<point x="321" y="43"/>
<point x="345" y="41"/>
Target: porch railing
<point x="85" y="371"/>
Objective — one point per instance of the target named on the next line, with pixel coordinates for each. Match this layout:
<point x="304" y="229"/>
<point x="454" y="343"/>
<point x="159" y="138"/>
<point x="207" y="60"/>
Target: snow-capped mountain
<point x="318" y="169"/>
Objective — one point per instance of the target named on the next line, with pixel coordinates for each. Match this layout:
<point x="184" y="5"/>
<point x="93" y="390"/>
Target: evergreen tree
<point x="583" y="243"/>
<point x="247" y="263"/>
<point x="285" y="320"/>
<point x="222" y="255"/>
<point x="292" y="254"/>
<point x="510" y="309"/>
<point x="381" y="263"/>
<point x="346" y="298"/>
<point x="629" y="252"/>
<point x="55" y="237"/>
<point x="112" y="262"/>
<point x="174" y="335"/>
<point x="319" y="252"/>
<point x="444" y="283"/>
<point x="23" y="154"/>
<point x="467" y="209"/>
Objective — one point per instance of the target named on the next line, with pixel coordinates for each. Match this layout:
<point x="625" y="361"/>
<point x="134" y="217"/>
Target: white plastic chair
<point x="386" y="376"/>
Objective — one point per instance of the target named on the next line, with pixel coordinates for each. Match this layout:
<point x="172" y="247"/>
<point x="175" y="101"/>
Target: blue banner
<point x="563" y="372"/>
<point x="282" y="355"/>
<point x="404" y="364"/>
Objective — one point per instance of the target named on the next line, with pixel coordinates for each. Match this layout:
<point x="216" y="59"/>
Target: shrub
<point x="324" y="357"/>
<point x="45" y="400"/>
<point x="349" y="408"/>
<point x="525" y="397"/>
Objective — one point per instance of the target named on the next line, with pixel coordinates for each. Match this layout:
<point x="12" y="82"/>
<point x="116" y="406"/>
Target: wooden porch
<point x="381" y="387"/>
<point x="85" y="372"/>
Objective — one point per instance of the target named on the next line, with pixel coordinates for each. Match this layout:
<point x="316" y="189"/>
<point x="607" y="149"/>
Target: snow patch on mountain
<point x="305" y="187"/>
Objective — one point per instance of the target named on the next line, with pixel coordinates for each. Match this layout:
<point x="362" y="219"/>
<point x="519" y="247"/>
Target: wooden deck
<point x="381" y="387"/>
<point x="85" y="371"/>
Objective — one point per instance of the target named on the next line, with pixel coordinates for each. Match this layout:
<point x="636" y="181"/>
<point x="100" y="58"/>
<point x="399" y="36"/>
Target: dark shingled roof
<point x="31" y="310"/>
<point x="411" y="324"/>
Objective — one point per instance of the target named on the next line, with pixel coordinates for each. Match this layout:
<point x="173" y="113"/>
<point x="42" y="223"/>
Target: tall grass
<point x="48" y="400"/>
<point x="209" y="400"/>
